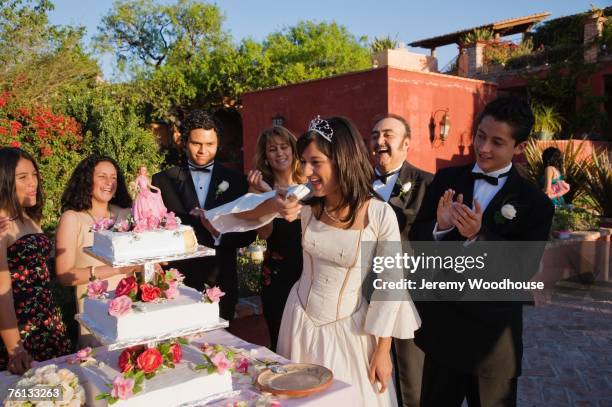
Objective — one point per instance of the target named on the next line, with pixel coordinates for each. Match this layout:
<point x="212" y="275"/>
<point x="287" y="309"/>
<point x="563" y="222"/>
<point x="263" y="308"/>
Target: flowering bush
<point x="499" y="52"/>
<point x="54" y="140"/>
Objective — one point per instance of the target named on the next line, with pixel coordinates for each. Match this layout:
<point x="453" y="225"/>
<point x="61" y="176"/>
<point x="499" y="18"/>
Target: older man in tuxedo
<point x="403" y="186"/>
<point x="200" y="184"/>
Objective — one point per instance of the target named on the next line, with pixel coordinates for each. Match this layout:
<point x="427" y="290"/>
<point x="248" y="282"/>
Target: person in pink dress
<point x="148" y="202"/>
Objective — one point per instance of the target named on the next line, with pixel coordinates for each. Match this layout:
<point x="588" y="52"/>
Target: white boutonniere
<point x="506" y="213"/>
<point x="402" y="189"/>
<point x="221" y="188"/>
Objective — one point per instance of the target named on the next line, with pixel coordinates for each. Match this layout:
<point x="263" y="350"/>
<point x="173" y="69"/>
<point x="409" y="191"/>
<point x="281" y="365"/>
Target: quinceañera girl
<point x="328" y="320"/>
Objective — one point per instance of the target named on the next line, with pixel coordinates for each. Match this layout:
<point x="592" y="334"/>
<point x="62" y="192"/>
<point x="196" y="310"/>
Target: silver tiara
<point x="322" y="127"/>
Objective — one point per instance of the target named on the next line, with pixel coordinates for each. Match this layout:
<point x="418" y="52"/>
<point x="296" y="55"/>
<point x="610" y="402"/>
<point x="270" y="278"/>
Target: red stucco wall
<point x="361" y="96"/>
<point x="421" y="96"/>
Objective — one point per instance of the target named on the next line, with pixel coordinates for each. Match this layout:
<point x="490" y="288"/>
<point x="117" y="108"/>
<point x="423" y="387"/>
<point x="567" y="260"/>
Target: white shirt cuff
<point x="217" y="240"/>
<point x="438" y="235"/>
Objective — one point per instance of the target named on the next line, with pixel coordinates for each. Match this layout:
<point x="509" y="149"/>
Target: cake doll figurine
<point x="148" y="203"/>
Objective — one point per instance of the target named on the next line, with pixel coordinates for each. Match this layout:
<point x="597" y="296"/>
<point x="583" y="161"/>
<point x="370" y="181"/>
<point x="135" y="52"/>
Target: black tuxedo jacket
<point x="480" y="338"/>
<point x="406" y="206"/>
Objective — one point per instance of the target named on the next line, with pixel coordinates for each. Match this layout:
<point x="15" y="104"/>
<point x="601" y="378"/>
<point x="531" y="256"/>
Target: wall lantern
<point x="445" y="126"/>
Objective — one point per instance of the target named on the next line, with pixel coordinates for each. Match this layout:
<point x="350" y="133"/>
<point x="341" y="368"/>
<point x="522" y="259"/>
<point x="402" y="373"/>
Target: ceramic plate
<point x="295" y="379"/>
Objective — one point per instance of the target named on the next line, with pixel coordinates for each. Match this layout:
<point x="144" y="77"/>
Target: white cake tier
<point x="149" y="319"/>
<point x="170" y="387"/>
<point x="126" y="246"/>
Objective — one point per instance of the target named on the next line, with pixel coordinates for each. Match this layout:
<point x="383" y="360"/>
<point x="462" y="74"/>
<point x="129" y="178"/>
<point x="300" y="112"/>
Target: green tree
<point x="312" y="50"/>
<point x="113" y="122"/>
<point x="143" y="34"/>
<point x="38" y="61"/>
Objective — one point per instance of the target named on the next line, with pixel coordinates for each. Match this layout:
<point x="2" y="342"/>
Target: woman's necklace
<point x="110" y="215"/>
<point x="332" y="217"/>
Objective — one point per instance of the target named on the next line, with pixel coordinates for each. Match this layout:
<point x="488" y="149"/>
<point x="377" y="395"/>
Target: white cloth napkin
<point x="223" y="219"/>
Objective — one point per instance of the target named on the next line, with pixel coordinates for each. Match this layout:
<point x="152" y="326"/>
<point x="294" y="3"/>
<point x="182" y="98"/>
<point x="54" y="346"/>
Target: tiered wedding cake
<point x="147" y="313"/>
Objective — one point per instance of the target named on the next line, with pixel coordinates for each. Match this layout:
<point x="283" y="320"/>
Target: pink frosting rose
<point x="122" y="388"/>
<point x="171" y="221"/>
<point x="120" y="306"/>
<point x="172" y="291"/>
<point x="214" y="294"/>
<point x="221" y="362"/>
<point x="152" y="223"/>
<point x="97" y="288"/>
<point x="123" y="226"/>
<point x="103" y="224"/>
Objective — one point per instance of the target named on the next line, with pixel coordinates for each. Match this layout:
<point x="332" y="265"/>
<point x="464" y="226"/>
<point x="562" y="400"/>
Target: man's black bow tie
<point x="205" y="168"/>
<point x="489" y="178"/>
<point x="384" y="177"/>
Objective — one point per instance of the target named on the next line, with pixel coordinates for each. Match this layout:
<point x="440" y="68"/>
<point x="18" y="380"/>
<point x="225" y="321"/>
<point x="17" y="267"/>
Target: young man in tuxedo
<point x="473" y="350"/>
<point x="403" y="186"/>
<point x="200" y="184"/>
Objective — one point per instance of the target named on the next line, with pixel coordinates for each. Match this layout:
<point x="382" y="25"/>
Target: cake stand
<point x="148" y="264"/>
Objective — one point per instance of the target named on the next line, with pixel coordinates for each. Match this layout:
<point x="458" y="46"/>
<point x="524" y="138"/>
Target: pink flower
<point x="122" y="388"/>
<point x="172" y="291"/>
<point x="97" y="288"/>
<point x="221" y="362"/>
<point x="171" y="221"/>
<point x="214" y="294"/>
<point x="123" y="226"/>
<point x="141" y="226"/>
<point x="85" y="353"/>
<point x="152" y="223"/>
<point x="242" y="365"/>
<point x="120" y="306"/>
<point x="176" y="275"/>
<point x="103" y="224"/>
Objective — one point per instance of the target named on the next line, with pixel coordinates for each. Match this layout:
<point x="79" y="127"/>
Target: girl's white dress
<point x="327" y="320"/>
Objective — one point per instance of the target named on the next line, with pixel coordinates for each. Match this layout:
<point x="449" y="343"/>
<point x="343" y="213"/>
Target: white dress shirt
<point x="483" y="193"/>
<point x="201" y="182"/>
<point x="385" y="190"/>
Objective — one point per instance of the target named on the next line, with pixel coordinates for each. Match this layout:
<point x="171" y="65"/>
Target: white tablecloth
<point x="337" y="394"/>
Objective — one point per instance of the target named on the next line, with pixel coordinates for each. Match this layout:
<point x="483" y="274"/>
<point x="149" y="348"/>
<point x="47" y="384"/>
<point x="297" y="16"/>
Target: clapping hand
<point x="257" y="183"/>
<point x="466" y="220"/>
<point x="443" y="213"/>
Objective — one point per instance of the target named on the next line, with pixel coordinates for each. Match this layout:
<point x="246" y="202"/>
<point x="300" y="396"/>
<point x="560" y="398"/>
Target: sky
<point x="407" y="20"/>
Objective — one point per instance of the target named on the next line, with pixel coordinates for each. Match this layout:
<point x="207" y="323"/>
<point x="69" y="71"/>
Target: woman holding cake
<point x="31" y="325"/>
<point x="277" y="166"/>
<point x="96" y="190"/>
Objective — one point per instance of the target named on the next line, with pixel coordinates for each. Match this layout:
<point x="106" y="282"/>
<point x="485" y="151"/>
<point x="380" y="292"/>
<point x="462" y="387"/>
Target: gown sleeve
<point x="390" y="312"/>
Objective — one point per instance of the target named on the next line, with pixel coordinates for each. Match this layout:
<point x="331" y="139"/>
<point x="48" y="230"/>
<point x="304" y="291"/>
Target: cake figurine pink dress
<point x="148" y="203"/>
